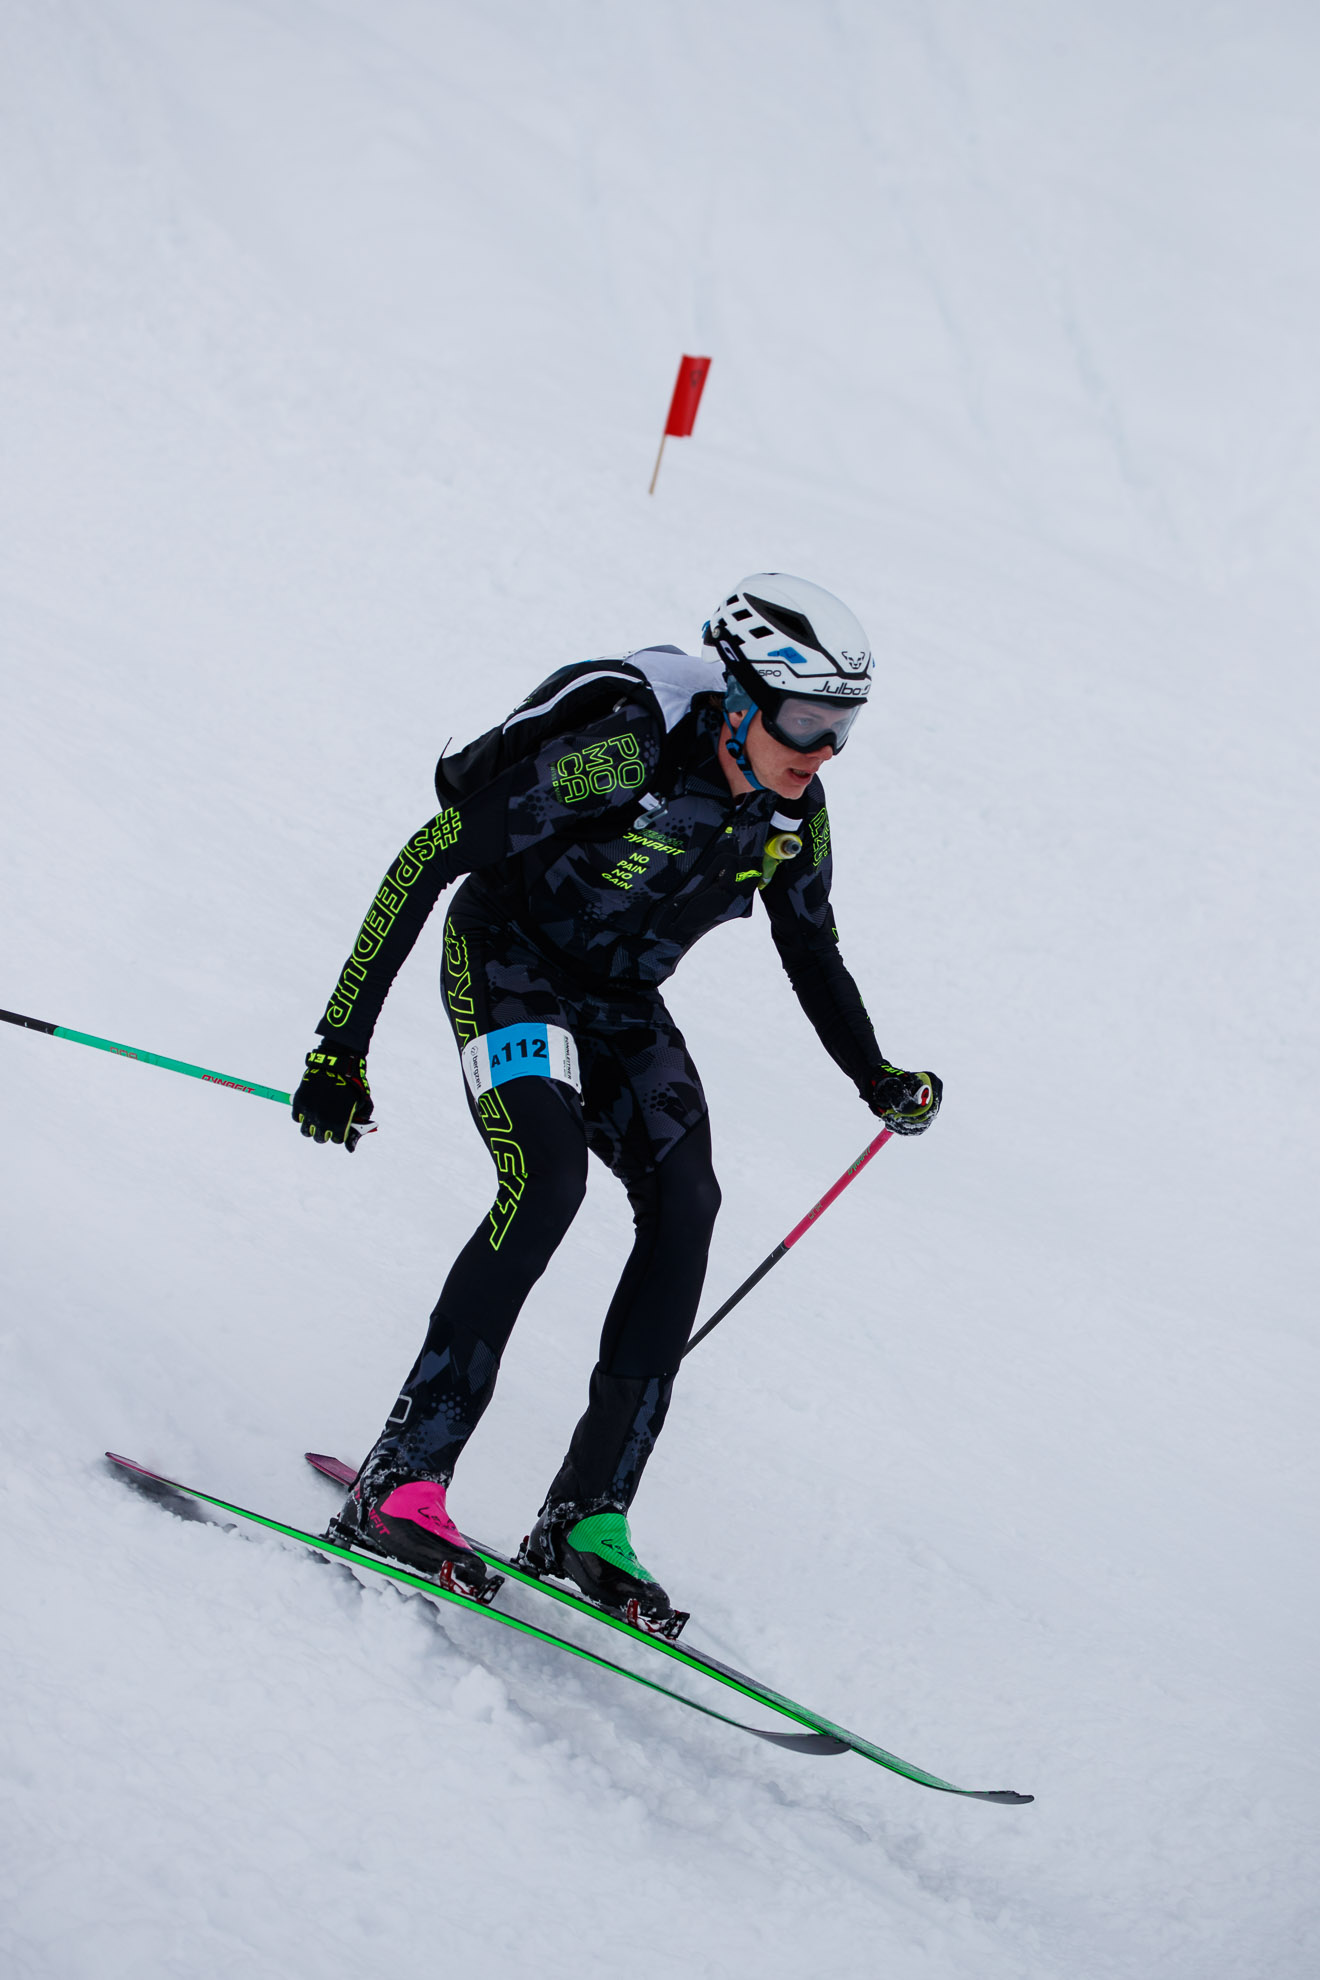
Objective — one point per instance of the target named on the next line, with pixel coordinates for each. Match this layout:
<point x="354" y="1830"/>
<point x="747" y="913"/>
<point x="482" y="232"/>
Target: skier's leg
<point x="533" y="1129"/>
<point x="645" y="1115"/>
<point x="674" y="1205"/>
<point x="540" y="1154"/>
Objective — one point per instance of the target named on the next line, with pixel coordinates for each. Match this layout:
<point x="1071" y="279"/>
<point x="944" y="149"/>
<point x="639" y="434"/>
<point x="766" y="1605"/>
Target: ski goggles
<point x="804" y="724"/>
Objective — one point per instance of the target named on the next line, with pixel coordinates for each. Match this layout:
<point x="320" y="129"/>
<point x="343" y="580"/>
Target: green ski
<point x="156" y="1486"/>
<point x="704" y="1665"/>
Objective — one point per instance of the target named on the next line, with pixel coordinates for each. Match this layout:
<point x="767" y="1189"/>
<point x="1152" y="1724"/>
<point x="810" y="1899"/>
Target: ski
<point x="157" y="1486"/>
<point x="701" y="1663"/>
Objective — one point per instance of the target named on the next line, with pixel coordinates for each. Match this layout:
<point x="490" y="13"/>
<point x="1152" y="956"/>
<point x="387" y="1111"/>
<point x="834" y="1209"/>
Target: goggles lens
<point x="803" y="724"/>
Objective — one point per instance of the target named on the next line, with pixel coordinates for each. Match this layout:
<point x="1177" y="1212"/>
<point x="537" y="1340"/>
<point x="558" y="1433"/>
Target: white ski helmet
<point x="790" y="644"/>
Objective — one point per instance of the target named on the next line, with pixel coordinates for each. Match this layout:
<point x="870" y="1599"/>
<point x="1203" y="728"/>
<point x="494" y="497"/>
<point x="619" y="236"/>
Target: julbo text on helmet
<point x="798" y="654"/>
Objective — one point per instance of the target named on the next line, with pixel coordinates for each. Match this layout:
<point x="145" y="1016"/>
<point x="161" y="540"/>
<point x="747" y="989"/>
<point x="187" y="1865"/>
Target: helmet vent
<point x="785" y="620"/>
<point x="744" y="614"/>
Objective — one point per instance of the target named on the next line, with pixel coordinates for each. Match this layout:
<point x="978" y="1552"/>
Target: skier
<point x="625" y="808"/>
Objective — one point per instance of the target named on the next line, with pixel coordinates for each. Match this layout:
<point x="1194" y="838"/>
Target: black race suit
<point x="594" y="864"/>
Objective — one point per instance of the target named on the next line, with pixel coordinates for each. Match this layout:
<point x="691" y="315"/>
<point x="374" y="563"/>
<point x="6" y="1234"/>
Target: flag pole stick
<point x="663" y="437"/>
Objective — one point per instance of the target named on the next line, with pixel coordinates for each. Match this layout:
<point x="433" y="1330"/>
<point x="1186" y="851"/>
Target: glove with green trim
<point x="907" y="1102"/>
<point x="333" y="1102"/>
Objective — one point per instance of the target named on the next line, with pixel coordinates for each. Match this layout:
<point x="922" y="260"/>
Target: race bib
<point x="518" y="1049"/>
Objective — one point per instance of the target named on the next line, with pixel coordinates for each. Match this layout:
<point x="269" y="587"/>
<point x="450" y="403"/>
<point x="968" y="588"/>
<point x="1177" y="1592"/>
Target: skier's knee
<point x="689" y="1191"/>
<point x="558" y="1187"/>
<point x="708" y="1197"/>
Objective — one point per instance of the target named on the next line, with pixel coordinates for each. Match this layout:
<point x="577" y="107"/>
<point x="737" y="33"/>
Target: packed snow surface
<point x="336" y="341"/>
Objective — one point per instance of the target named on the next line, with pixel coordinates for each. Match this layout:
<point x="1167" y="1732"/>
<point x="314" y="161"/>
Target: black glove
<point x="333" y="1102"/>
<point x="907" y="1102"/>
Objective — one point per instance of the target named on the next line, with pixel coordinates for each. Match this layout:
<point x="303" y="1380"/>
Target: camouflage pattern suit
<point x="597" y="854"/>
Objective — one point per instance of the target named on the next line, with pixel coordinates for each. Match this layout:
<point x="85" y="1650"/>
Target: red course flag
<point x="687" y="396"/>
<point x="688" y="387"/>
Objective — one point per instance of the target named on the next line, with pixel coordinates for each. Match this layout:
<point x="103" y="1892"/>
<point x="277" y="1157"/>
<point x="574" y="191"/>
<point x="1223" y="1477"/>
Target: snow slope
<point x="335" y="342"/>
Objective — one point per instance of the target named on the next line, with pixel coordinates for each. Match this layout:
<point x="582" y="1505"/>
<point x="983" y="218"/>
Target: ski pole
<point x="148" y="1058"/>
<point x="797" y="1231"/>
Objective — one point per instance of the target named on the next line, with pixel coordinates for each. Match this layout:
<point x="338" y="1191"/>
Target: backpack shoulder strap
<point x="563" y="701"/>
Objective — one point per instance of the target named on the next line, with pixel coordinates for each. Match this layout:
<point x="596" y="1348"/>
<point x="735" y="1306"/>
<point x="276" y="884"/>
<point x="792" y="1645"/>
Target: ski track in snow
<point x="334" y="342"/>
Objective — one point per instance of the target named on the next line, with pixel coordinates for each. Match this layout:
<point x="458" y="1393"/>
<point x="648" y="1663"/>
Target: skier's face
<point x="785" y="771"/>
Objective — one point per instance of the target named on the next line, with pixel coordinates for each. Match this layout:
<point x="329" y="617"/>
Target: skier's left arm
<point x="802" y="924"/>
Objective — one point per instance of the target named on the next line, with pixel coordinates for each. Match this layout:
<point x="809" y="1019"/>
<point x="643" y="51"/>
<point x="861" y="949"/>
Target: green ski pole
<point x="148" y="1058"/>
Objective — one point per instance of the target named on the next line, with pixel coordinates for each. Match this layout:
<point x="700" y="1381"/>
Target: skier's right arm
<point x="448" y="845"/>
<point x="571" y="779"/>
<point x="333" y="1101"/>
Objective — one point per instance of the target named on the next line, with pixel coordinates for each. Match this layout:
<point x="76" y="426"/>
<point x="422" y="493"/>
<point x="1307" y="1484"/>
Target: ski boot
<point x="596" y="1554"/>
<point x="409" y="1524"/>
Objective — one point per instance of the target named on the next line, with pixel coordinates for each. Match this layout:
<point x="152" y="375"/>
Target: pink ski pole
<point x="797" y="1231"/>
